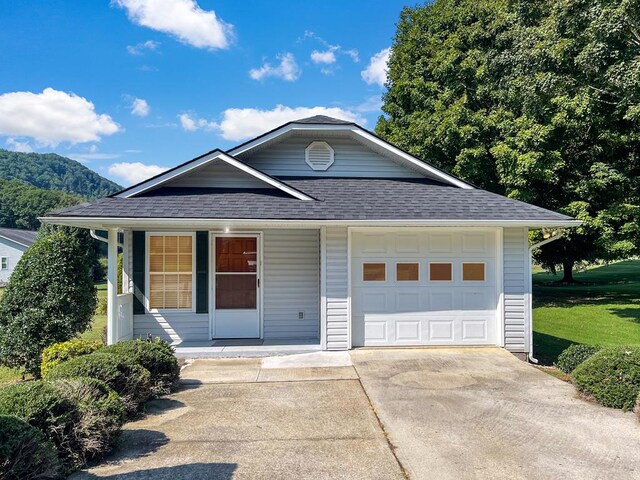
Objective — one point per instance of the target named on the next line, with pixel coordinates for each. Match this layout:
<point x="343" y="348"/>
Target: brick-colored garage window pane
<point x="440" y="272"/>
<point x="374" y="272"/>
<point x="473" y="272"/>
<point x="407" y="272"/>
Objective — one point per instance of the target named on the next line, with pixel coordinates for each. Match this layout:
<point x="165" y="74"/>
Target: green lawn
<point x="8" y="375"/>
<point x="603" y="308"/>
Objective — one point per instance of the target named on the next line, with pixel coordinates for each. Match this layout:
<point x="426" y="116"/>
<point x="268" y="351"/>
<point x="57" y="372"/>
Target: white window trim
<point x="4" y="263"/>
<point x="484" y="271"/>
<point x="147" y="285"/>
<point x="376" y="262"/>
<point x="443" y="261"/>
<point x="408" y="262"/>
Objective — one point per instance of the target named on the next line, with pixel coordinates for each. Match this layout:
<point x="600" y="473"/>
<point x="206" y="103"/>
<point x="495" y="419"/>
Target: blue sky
<point x="130" y="87"/>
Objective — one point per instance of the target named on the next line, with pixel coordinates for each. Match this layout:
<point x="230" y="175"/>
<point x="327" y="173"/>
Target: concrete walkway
<point x="235" y="419"/>
<point x="391" y="414"/>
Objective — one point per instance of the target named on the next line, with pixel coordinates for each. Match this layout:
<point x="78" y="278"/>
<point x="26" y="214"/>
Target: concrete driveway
<point x="418" y="413"/>
<point x="482" y="413"/>
<point x="234" y="418"/>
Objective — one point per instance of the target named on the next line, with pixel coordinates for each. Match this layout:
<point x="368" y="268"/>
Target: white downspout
<point x="553" y="238"/>
<point x="93" y="234"/>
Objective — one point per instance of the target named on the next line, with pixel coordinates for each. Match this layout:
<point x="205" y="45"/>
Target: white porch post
<point x="323" y="288"/>
<point x="112" y="287"/>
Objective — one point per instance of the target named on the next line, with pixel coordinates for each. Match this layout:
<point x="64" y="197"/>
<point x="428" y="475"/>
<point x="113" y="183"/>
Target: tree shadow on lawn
<point x="193" y="471"/>
<point x="632" y="313"/>
<point x="546" y="348"/>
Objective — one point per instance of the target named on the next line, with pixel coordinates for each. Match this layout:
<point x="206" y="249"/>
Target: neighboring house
<point x="318" y="229"/>
<point x="13" y="243"/>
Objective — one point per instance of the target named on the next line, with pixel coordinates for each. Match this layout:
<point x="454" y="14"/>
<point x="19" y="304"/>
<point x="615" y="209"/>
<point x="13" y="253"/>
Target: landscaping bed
<point x="72" y="416"/>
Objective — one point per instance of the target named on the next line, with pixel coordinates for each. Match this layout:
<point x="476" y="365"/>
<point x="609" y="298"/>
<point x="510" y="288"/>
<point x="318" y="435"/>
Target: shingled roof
<point x="335" y="199"/>
<point x="26" y="238"/>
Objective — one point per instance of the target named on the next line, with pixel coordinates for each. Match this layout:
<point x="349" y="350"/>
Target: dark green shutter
<point x="138" y="276"/>
<point x="202" y="272"/>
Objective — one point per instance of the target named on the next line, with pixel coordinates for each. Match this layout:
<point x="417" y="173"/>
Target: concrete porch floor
<point x="245" y="347"/>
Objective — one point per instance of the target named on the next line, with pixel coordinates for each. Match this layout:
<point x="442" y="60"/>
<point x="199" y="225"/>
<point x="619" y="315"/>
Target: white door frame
<point x="212" y="275"/>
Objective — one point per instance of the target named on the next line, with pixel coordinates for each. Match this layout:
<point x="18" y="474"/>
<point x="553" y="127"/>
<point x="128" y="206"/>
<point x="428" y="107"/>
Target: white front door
<point x="236" y="286"/>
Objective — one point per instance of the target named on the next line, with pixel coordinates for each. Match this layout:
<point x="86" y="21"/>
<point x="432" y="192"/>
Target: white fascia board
<point x="419" y="164"/>
<point x="205" y="223"/>
<point x="201" y="162"/>
<point x="363" y="135"/>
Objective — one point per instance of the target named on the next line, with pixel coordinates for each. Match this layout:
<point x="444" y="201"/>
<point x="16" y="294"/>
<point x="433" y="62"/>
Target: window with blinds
<point x="171" y="272"/>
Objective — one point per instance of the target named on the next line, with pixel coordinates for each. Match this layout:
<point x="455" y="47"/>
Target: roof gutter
<point x="552" y="238"/>
<point x="139" y="222"/>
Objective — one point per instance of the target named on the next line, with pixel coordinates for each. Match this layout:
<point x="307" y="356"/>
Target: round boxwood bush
<point x="25" y="453"/>
<point x="131" y="381"/>
<point x="611" y="376"/>
<point x="574" y="355"/>
<point x="39" y="404"/>
<point x="155" y="357"/>
<point x="63" y="351"/>
<point x="100" y="413"/>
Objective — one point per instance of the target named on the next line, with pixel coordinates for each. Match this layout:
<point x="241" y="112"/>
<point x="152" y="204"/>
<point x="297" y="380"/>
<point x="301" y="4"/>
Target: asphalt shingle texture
<point x="335" y="199"/>
<point x="23" y="237"/>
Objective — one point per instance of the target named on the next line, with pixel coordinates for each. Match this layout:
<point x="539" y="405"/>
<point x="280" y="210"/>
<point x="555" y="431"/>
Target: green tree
<point x="537" y="100"/>
<point x="50" y="298"/>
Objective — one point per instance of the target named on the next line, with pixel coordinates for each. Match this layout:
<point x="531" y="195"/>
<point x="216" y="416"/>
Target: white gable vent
<point x="319" y="155"/>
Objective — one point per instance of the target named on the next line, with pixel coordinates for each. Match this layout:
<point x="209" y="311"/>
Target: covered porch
<point x="246" y="291"/>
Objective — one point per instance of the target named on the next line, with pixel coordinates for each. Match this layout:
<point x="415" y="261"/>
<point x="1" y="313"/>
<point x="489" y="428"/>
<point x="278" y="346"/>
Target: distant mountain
<point x="22" y="204"/>
<point x="53" y="172"/>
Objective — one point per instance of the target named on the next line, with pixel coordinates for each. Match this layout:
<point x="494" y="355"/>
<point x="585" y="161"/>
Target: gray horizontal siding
<point x="291" y="279"/>
<point x="337" y="290"/>
<point x="13" y="251"/>
<point x="218" y="175"/>
<point x="172" y="326"/>
<point x="351" y="159"/>
<point x="516" y="333"/>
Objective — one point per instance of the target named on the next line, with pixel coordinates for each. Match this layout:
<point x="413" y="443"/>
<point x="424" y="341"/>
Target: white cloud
<point x="371" y="104"/>
<point x="192" y="123"/>
<point x="139" y="48"/>
<point x="242" y="123"/>
<point x="85" y="157"/>
<point x="183" y="19"/>
<point x="376" y="71"/>
<point x="327" y="57"/>
<point x="353" y="53"/>
<point x="140" y="107"/>
<point x="287" y="69"/>
<point x="134" y="172"/>
<point x="52" y="117"/>
<point x="18" y="146"/>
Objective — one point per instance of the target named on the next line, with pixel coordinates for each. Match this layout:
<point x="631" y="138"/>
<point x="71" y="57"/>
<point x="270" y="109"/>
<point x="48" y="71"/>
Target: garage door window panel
<point x="374" y="272"/>
<point x="473" y="272"/>
<point x="441" y="272"/>
<point x="407" y="272"/>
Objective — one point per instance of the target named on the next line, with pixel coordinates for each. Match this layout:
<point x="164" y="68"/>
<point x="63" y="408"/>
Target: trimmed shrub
<point x="100" y="413"/>
<point x="50" y="298"/>
<point x="25" y="453"/>
<point x="611" y="376"/>
<point x="155" y="357"/>
<point x="61" y="352"/>
<point x="39" y="404"/>
<point x="574" y="355"/>
<point x="131" y="381"/>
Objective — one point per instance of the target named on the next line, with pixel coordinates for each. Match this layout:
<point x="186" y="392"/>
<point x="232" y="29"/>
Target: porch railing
<point x="124" y="330"/>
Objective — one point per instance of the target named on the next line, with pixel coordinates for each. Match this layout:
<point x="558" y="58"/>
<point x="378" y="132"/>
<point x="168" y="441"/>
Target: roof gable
<point x="196" y="172"/>
<point x="323" y="126"/>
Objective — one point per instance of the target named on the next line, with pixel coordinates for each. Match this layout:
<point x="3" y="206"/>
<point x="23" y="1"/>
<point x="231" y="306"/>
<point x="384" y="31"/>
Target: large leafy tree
<point x="538" y="100"/>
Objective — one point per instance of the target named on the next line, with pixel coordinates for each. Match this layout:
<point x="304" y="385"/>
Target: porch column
<point x="112" y="286"/>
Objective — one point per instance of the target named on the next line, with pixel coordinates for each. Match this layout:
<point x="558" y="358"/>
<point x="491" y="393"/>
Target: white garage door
<point x="432" y="287"/>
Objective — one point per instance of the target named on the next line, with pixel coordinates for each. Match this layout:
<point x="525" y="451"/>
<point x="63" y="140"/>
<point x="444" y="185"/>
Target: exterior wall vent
<point x="319" y="155"/>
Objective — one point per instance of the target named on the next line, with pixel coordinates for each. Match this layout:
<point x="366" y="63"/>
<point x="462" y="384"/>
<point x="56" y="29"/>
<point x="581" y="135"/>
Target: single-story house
<point x="13" y="243"/>
<point x="319" y="230"/>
